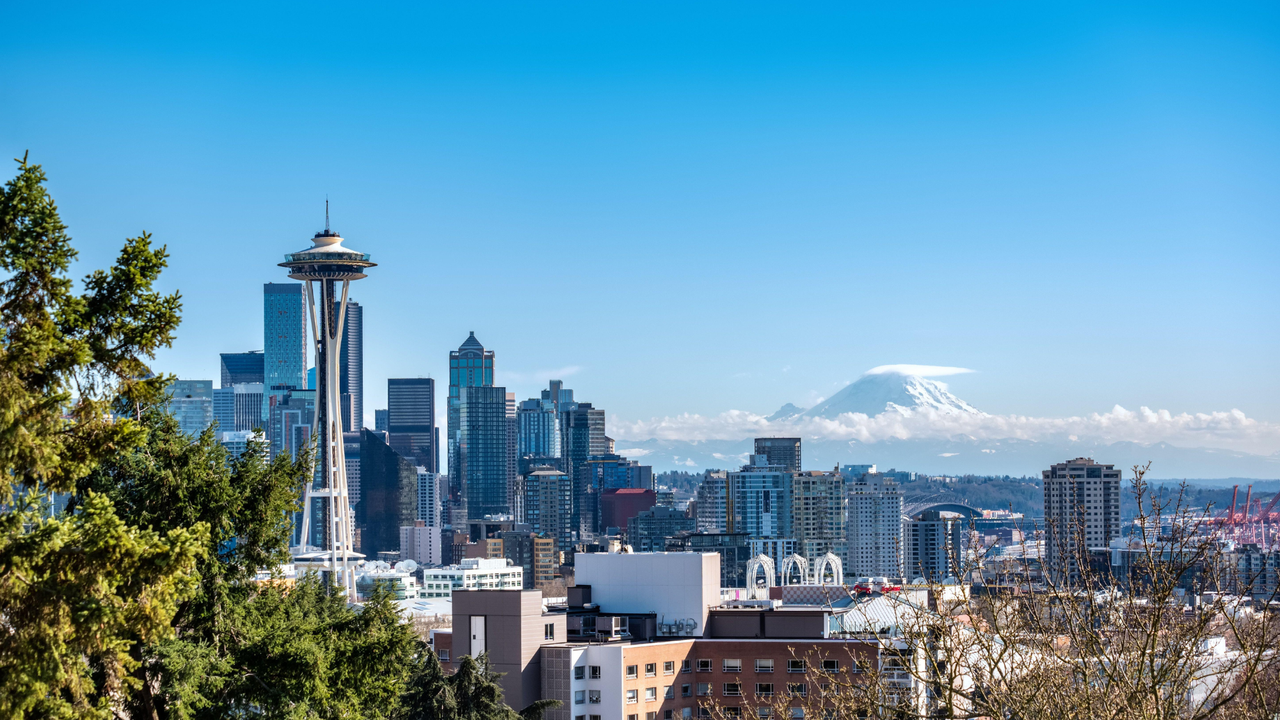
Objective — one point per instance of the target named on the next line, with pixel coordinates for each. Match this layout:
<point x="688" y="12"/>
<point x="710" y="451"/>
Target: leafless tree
<point x="1179" y="634"/>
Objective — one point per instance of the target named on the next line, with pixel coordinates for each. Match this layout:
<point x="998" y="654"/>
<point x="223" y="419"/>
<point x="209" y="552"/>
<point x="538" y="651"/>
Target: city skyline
<point x="945" y="221"/>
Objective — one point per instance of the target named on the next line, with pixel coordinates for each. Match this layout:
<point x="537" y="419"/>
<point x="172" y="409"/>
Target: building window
<point x="633" y="717"/>
<point x="732" y="689"/>
<point x="595" y="717"/>
<point x="549" y="631"/>
<point x="580" y="672"/>
<point x="733" y="666"/>
<point x="669" y="692"/>
<point x="650" y="669"/>
<point x="797" y="713"/>
<point x="795" y="666"/>
<point x="704" y="666"/>
<point x="764" y="689"/>
<point x="650" y="694"/>
<point x="669" y="667"/>
<point x="651" y="715"/>
<point x="593" y="696"/>
<point x="686" y="666"/>
<point x="733" y="712"/>
<point x="704" y="689"/>
<point x="825" y="689"/>
<point x="764" y="666"/>
<point x="797" y="689"/>
<point x="830" y="666"/>
<point x="666" y="715"/>
<point x="633" y="696"/>
<point x="444" y="655"/>
<point x="686" y="690"/>
<point x="579" y="717"/>
<point x="764" y="712"/>
<point x="595" y="672"/>
<point x="579" y="697"/>
<point x="631" y="671"/>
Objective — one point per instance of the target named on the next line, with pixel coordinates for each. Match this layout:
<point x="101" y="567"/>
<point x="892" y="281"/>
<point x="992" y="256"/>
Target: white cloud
<point x="633" y="452"/>
<point x="920" y="370"/>
<point x="1229" y="430"/>
<point x="947" y="454"/>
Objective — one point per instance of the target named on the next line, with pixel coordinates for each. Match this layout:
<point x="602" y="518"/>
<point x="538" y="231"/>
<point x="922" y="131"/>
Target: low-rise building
<point x="472" y="574"/>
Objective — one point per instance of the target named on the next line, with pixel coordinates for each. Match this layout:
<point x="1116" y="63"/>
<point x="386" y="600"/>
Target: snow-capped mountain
<point x="875" y="393"/>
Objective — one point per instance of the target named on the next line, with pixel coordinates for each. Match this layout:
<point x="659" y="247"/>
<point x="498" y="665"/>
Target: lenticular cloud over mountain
<point x="891" y="404"/>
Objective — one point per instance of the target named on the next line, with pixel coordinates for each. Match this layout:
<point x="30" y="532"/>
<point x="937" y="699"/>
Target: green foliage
<point x="73" y="593"/>
<point x="66" y="359"/>
<point x="471" y="693"/>
<point x="141" y="600"/>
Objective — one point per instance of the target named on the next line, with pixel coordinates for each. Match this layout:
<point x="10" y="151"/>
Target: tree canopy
<point x="140" y="599"/>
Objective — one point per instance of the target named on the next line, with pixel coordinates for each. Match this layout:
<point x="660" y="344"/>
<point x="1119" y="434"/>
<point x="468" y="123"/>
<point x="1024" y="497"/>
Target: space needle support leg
<point x="310" y="482"/>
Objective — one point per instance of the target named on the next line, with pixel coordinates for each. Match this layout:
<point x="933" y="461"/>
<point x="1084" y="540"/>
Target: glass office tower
<point x="411" y="419"/>
<point x="483" y="460"/>
<point x="284" y="335"/>
<point x="469" y="366"/>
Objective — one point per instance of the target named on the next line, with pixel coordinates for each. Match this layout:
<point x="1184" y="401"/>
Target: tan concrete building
<point x="511" y="626"/>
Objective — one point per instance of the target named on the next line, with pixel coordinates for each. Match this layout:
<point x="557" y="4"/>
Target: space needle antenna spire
<point x="326" y="214"/>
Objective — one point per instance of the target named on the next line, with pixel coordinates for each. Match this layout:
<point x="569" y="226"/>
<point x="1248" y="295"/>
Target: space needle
<point x="328" y="267"/>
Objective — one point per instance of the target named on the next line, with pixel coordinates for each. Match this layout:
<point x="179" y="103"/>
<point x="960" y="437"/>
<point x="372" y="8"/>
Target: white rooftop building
<point x="678" y="587"/>
<point x="472" y="574"/>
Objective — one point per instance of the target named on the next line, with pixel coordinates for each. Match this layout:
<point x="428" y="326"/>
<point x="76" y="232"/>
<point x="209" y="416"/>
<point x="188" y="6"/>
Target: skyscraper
<point x="712" y="502"/>
<point x="430" y="493"/>
<point x="538" y="429"/>
<point x="411" y="419"/>
<point x="818" y="513"/>
<point x="291" y="414"/>
<point x="933" y="546"/>
<point x="1081" y="511"/>
<point x="380" y="419"/>
<point x="238" y="407"/>
<point x="515" y="496"/>
<point x="388" y="495"/>
<point x="784" y="452"/>
<point x="582" y="433"/>
<point x="469" y="366"/>
<point x="548" y="505"/>
<point x="351" y="368"/>
<point x="759" y="500"/>
<point x="191" y="404"/>
<point x="284" y="335"/>
<point x="482" y="450"/>
<point x="246" y="367"/>
<point x="874" y="528"/>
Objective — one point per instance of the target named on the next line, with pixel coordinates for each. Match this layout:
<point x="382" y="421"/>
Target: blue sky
<point x="698" y="207"/>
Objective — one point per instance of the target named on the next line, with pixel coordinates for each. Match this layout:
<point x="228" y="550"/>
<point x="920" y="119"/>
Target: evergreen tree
<point x="140" y="601"/>
<point x="74" y="590"/>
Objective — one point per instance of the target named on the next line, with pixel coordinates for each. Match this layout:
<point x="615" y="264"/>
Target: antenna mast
<point x="326" y="214"/>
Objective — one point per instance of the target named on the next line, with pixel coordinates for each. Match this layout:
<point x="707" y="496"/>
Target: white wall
<point x="675" y="586"/>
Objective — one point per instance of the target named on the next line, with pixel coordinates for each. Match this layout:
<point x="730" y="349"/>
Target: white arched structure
<point x="795" y="561"/>
<point x="754" y="566"/>
<point x="832" y="562"/>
